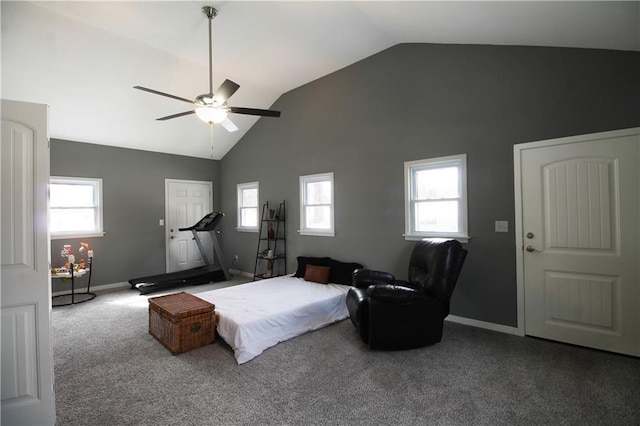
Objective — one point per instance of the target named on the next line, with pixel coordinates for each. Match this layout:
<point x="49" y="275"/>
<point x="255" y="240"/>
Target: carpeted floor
<point x="110" y="371"/>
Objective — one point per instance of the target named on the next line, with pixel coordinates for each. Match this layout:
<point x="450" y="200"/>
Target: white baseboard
<point x="93" y="288"/>
<point x="486" y="325"/>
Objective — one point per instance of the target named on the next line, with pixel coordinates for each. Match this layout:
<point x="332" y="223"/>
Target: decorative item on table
<point x="67" y="252"/>
<point x="85" y="247"/>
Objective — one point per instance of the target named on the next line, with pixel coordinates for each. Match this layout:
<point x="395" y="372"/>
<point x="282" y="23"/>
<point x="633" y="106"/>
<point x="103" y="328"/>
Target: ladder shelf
<point x="271" y="253"/>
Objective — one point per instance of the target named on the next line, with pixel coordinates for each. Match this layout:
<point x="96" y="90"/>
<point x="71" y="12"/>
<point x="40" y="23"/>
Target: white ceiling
<point x="83" y="58"/>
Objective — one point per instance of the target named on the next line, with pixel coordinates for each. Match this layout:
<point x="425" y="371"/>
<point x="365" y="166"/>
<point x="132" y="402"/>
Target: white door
<point x="580" y="238"/>
<point x="27" y="356"/>
<point x="186" y="203"/>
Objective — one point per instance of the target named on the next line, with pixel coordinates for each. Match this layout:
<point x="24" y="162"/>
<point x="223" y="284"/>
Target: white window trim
<point x="315" y="232"/>
<point x="459" y="161"/>
<point x="97" y="182"/>
<point x="240" y="188"/>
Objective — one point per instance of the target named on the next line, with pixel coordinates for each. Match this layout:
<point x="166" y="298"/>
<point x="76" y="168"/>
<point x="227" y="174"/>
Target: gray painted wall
<point x="133" y="184"/>
<point x="416" y="101"/>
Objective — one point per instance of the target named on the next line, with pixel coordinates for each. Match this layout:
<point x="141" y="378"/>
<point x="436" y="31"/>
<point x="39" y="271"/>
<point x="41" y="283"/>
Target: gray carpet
<point x="110" y="371"/>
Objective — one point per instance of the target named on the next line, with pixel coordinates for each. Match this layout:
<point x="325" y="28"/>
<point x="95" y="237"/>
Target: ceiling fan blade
<point x="155" y="92"/>
<point x="225" y="91"/>
<point x="180" y="114"/>
<point x="255" y="111"/>
<point x="229" y="125"/>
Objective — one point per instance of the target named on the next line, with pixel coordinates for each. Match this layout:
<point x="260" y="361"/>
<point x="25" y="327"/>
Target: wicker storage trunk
<point x="182" y="321"/>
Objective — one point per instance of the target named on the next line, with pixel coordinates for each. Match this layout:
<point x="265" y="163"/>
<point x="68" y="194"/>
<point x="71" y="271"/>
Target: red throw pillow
<point x="317" y="274"/>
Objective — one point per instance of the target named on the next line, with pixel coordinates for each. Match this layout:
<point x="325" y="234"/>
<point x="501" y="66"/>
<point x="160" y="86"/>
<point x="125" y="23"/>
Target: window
<point x="316" y="205"/>
<point x="436" y="198"/>
<point x="248" y="207"/>
<point x="75" y="207"/>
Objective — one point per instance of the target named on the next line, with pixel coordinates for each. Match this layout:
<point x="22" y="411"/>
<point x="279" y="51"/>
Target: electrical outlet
<point x="235" y="258"/>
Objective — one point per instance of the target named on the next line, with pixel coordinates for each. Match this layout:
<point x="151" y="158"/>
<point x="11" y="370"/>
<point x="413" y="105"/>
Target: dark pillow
<point x="341" y="271"/>
<point x="317" y="274"/>
<point x="303" y="261"/>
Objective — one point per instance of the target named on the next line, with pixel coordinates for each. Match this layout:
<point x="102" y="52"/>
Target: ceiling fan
<point x="213" y="108"/>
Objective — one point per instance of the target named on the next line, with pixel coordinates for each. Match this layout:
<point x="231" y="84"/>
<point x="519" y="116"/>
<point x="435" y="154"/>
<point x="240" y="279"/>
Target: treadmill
<point x="200" y="275"/>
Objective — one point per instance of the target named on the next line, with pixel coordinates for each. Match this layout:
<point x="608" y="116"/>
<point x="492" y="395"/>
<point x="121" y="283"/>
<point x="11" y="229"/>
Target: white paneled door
<point x="580" y="238"/>
<point x="27" y="356"/>
<point x="186" y="203"/>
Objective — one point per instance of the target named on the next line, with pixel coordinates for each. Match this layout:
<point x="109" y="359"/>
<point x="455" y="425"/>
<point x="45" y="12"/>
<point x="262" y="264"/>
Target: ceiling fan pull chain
<point x="211" y="132"/>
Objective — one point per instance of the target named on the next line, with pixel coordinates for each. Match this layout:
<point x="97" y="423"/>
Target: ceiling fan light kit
<point x="213" y="108"/>
<point x="211" y="114"/>
<point x="209" y="109"/>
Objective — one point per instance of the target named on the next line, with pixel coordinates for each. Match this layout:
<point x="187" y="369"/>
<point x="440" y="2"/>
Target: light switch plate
<point x="161" y="222"/>
<point x="502" y="226"/>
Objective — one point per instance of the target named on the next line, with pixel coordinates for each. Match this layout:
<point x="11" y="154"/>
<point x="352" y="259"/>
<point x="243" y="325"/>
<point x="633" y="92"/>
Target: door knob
<point x="172" y="237"/>
<point x="530" y="249"/>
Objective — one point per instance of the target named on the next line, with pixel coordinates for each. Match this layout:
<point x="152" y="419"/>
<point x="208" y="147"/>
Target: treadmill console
<point x="207" y="223"/>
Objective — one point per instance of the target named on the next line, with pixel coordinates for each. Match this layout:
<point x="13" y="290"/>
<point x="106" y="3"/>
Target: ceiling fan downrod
<point x="210" y="12"/>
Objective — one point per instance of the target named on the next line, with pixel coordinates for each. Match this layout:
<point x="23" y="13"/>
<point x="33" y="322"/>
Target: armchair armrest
<point x="363" y="278"/>
<point x="404" y="283"/>
<point x="391" y="293"/>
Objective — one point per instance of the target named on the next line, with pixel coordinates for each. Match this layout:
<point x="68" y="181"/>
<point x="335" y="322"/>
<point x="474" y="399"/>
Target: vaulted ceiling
<point x="83" y="58"/>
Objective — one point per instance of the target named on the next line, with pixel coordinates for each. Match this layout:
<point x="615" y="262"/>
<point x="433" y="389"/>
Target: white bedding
<point x="260" y="314"/>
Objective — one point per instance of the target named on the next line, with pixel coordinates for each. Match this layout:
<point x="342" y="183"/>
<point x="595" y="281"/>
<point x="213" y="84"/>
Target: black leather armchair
<point x="392" y="314"/>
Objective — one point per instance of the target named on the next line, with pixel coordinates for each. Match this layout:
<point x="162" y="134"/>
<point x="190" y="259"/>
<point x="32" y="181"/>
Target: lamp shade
<point x="210" y="114"/>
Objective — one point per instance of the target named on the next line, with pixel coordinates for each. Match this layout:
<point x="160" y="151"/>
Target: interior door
<point x="186" y="203"/>
<point x="27" y="356"/>
<point x="581" y="233"/>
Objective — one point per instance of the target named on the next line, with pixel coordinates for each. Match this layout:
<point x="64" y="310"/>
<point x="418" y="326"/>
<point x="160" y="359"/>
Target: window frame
<point x="241" y="187"/>
<point x="410" y="168"/>
<point x="304" y="180"/>
<point x="98" y="206"/>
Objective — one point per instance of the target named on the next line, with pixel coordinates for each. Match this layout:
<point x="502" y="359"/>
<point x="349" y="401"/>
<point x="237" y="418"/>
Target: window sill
<point x="317" y="233"/>
<point x="77" y="235"/>
<point x="462" y="238"/>
<point x="247" y="229"/>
